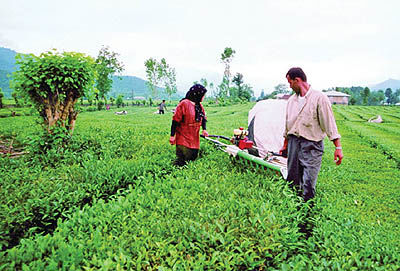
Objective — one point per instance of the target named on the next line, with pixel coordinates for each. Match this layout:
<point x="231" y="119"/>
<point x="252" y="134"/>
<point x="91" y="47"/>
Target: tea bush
<point x="115" y="202"/>
<point x="98" y="162"/>
<point x="193" y="218"/>
<point x="355" y="219"/>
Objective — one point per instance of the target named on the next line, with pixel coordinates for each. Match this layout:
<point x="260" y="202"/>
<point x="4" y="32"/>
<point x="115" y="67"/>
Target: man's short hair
<point x="296" y="72"/>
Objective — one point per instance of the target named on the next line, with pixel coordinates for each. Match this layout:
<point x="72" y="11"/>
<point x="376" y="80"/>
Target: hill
<point x="127" y="86"/>
<point x="390" y="83"/>
<point x="7" y="66"/>
<point x="7" y="59"/>
<point x="132" y="86"/>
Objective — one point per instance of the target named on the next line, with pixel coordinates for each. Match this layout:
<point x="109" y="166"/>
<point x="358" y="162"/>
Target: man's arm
<point x="338" y="156"/>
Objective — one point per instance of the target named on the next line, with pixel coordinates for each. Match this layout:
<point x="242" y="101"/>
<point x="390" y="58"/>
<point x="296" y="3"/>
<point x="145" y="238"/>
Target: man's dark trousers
<point x="304" y="163"/>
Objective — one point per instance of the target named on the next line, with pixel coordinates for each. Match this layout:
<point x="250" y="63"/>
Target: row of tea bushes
<point x="389" y="114"/>
<point x="385" y="140"/>
<point x="355" y="219"/>
<point x="382" y="136"/>
<point x="214" y="215"/>
<point x="17" y="112"/>
<point x="103" y="158"/>
<point x="207" y="216"/>
<point x="18" y="128"/>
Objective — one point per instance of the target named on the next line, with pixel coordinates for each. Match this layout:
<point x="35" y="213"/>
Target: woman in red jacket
<point x="188" y="117"/>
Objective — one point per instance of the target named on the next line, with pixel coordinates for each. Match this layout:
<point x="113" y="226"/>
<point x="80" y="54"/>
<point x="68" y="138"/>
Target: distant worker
<point x="188" y="117"/>
<point x="309" y="118"/>
<point x="162" y="107"/>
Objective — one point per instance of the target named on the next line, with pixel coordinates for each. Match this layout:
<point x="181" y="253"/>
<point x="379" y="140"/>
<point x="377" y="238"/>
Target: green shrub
<point x="100" y="105"/>
<point x="119" y="102"/>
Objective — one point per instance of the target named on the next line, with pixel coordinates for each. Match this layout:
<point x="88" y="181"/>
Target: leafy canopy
<point x="160" y="73"/>
<point x="53" y="82"/>
<point x="107" y="65"/>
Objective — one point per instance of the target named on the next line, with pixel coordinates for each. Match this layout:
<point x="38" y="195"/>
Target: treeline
<point x="364" y="96"/>
<point x="358" y="95"/>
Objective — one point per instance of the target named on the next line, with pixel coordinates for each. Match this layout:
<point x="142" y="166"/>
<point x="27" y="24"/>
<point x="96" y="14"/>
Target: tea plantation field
<point x="112" y="200"/>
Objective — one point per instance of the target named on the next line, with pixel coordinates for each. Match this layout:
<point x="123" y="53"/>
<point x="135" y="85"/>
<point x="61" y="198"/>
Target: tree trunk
<point x="71" y="122"/>
<point x="60" y="114"/>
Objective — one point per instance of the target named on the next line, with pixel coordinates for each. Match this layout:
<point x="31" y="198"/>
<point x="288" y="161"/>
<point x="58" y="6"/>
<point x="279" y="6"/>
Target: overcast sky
<point x="336" y="42"/>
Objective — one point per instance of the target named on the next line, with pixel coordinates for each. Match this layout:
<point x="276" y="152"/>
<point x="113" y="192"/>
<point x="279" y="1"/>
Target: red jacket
<point x="187" y="132"/>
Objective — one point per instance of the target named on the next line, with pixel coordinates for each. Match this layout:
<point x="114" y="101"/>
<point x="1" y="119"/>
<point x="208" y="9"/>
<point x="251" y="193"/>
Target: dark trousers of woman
<point x="304" y="163"/>
<point x="184" y="154"/>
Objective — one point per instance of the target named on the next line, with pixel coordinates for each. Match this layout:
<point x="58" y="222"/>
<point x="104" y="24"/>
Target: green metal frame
<point x="258" y="160"/>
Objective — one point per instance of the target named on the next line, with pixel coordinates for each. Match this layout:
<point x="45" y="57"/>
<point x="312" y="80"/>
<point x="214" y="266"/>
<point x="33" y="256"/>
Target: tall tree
<point x="376" y="97"/>
<point x="107" y="65"/>
<point x="396" y="95"/>
<point x="54" y="82"/>
<point x="238" y="81"/>
<point x="168" y="77"/>
<point x="365" y="95"/>
<point x="226" y="59"/>
<point x="247" y="92"/>
<point x="160" y="73"/>
<point x="152" y="75"/>
<point x="223" y="88"/>
<point x="389" y="96"/>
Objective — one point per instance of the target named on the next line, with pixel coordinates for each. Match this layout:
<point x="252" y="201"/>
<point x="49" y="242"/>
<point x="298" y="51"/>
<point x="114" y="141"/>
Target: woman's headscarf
<point x="195" y="94"/>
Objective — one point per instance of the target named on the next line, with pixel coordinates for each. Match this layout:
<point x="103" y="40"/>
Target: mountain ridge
<point x="394" y="84"/>
<point x="129" y="85"/>
<point x="125" y="85"/>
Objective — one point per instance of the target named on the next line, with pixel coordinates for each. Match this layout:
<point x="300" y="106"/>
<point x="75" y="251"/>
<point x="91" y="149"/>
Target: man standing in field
<point x="309" y="118"/>
<point x="161" y="107"/>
